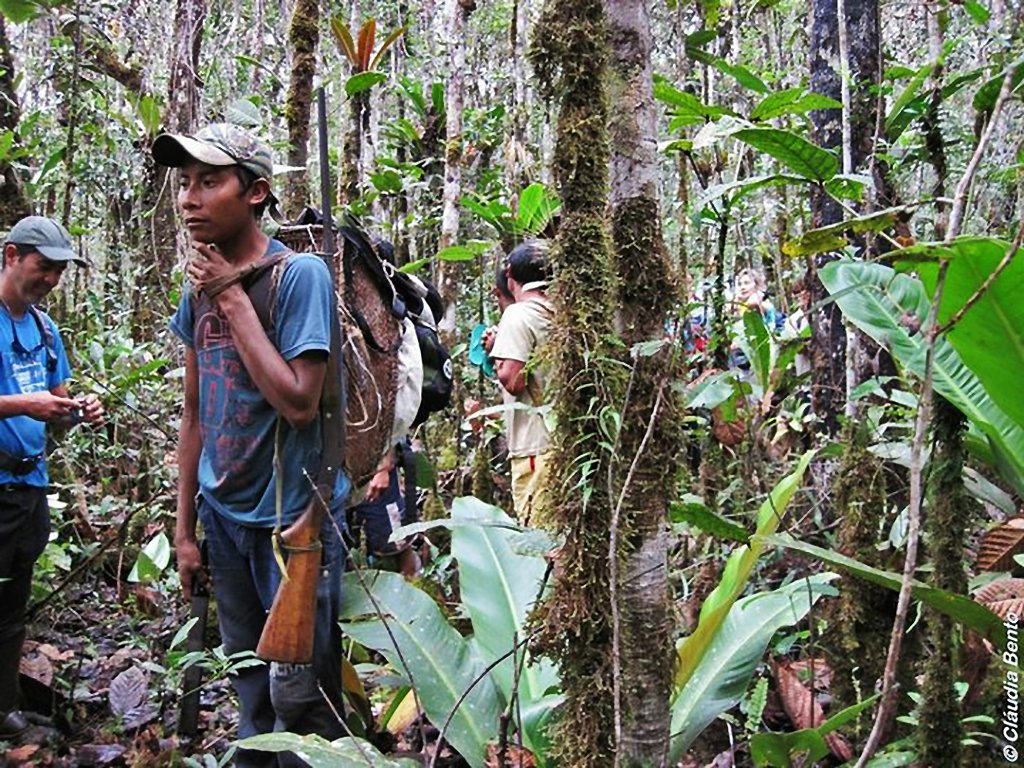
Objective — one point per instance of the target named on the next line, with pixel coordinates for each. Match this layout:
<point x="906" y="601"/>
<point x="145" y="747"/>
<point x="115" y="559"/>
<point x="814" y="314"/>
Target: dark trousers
<point x="24" y="531"/>
<point x="275" y="697"/>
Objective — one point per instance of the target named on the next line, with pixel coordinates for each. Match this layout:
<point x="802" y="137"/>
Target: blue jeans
<point x="298" y="698"/>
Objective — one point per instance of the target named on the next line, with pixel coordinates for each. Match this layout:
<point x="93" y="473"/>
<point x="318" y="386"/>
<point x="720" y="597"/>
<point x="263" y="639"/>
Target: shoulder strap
<point x="261" y="286"/>
<point x="46" y="334"/>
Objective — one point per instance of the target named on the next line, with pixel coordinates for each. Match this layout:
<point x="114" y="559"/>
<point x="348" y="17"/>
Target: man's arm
<point x="292" y="387"/>
<point x="189" y="445"/>
<point x="511" y="375"/>
<point x="46" y="405"/>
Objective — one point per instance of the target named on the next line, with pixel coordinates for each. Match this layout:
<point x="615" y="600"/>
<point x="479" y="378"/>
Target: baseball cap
<point x="46" y="236"/>
<point x="217" y="144"/>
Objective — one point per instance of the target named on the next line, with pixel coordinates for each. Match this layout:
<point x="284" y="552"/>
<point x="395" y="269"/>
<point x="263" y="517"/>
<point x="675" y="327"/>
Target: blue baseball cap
<point x="46" y="236"/>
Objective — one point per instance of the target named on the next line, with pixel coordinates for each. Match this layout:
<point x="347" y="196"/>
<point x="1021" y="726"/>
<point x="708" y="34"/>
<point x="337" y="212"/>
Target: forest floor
<point x="97" y="665"/>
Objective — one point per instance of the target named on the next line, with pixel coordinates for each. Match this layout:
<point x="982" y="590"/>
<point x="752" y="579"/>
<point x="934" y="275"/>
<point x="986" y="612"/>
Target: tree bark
<point x="649" y="444"/>
<point x="304" y="35"/>
<point x="457" y="15"/>
<point x="13" y="202"/>
<point x="828" y="339"/>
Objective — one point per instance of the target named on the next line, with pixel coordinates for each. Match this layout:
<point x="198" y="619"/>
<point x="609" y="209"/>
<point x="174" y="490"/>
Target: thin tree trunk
<point x="304" y="35"/>
<point x="457" y="14"/>
<point x="649" y="443"/>
<point x="13" y="202"/>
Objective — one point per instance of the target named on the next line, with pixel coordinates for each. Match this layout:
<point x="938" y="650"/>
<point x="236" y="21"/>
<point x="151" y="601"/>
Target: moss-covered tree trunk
<point x="303" y="35"/>
<point x="568" y="53"/>
<point x="649" y="446"/>
<point x="940" y="730"/>
<point x="13" y="202"/>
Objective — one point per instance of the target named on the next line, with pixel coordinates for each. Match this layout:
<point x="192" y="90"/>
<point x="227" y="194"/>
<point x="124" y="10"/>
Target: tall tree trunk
<point x="304" y="35"/>
<point x="569" y="55"/>
<point x="13" y="202"/>
<point x="861" y="29"/>
<point x="457" y="14"/>
<point x="649" y="443"/>
<point x="348" y="173"/>
<point x="181" y="116"/>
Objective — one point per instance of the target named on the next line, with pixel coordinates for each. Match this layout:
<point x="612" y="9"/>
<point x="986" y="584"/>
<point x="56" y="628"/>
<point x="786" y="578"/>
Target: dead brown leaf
<point x="803" y="708"/>
<point x="1003" y="597"/>
<point x="999" y="545"/>
<point x="515" y="757"/>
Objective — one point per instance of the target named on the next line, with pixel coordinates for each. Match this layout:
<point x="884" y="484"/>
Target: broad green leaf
<point x="723" y="674"/>
<point x="499" y="587"/>
<point x="792" y="101"/>
<point x="986" y="96"/>
<point x="850" y="186"/>
<point x="244" y="113"/>
<point x="978" y="12"/>
<point x="712" y="391"/>
<point x="6" y="142"/>
<point x="388" y="181"/>
<point x="893" y="122"/>
<point x="960" y="608"/>
<point x="465" y="252"/>
<point x="777" y="749"/>
<point x="879" y="301"/>
<point x="734" y="190"/>
<point x="536" y="207"/>
<point x="20" y="11"/>
<point x="152" y="561"/>
<point x="343" y="36"/>
<point x="149" y="114"/>
<point x="699" y="516"/>
<point x="734" y="578"/>
<point x="741" y="75"/>
<point x="759" y="345"/>
<point x="793" y="151"/>
<point x="363" y="81"/>
<point x="990" y="335"/>
<point x="684" y="107"/>
<point x="318" y="752"/>
<point x="833" y="237"/>
<point x="56" y="158"/>
<point x="440" y="663"/>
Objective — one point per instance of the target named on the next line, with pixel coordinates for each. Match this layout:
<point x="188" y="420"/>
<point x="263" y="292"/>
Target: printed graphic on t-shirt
<point x="230" y="405"/>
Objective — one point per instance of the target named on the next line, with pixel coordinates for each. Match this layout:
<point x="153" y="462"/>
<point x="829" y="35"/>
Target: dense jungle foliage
<point x="785" y="537"/>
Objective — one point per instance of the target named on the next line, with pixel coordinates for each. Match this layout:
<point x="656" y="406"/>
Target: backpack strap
<point x="46" y="334"/>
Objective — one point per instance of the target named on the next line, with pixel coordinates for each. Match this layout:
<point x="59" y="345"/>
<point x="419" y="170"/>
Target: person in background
<point x="34" y="371"/>
<point x="252" y="395"/>
<point x="520" y="335"/>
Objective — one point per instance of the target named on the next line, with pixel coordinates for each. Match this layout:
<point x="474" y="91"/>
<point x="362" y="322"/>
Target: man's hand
<point x="92" y="409"/>
<point x="209" y="269"/>
<point x="488" y="338"/>
<point x="46" y="406"/>
<point x="190" y="563"/>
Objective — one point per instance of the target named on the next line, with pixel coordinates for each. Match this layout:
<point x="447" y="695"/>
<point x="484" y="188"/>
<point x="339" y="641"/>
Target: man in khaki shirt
<point x="523" y="329"/>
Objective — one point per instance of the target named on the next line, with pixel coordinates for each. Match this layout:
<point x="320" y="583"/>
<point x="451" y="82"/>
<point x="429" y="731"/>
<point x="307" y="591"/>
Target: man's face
<point x="32" y="276"/>
<point x="213" y="204"/>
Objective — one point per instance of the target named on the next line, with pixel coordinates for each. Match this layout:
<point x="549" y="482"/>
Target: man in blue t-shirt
<point x="33" y="395"/>
<point x="245" y="388"/>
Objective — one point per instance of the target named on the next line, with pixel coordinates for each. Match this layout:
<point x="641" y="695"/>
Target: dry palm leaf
<point x="804" y="710"/>
<point x="1003" y="597"/>
<point x="999" y="545"/>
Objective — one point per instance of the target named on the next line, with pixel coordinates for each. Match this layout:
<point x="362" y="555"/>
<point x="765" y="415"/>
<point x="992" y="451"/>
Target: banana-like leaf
<point x="958" y="607"/>
<point x="734" y="578"/>
<point x="723" y="674"/>
<point x="499" y="587"/>
<point x="318" y="752"/>
<point x="834" y="236"/>
<point x="889" y="307"/>
<point x="990" y="335"/>
<point x="793" y="151"/>
<point x="442" y="666"/>
<point x="536" y="207"/>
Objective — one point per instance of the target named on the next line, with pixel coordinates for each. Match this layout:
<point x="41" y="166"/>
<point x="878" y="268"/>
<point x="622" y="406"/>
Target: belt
<point x="14" y="487"/>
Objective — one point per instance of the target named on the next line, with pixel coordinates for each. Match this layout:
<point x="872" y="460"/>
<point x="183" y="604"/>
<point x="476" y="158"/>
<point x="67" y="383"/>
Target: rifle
<point x="289" y="630"/>
<point x="188" y="716"/>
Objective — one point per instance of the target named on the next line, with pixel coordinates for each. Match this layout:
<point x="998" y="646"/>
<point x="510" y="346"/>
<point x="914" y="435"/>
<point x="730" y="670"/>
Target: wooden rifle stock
<point x="289" y="631"/>
<point x="288" y="634"/>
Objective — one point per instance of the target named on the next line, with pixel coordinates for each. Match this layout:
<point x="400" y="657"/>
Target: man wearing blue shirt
<point x="33" y="394"/>
<point x="251" y="401"/>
